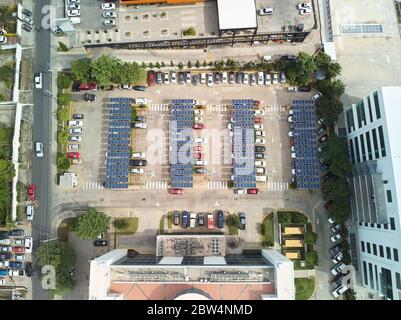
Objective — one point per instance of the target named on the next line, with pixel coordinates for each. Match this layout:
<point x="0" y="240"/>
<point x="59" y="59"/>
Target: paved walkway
<point x="305" y="273"/>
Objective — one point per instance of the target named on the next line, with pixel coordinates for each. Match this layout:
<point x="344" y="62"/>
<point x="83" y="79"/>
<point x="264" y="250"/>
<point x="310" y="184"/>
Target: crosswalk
<point x="278" y="185"/>
<point x="217" y="107"/>
<point x="156" y="185"/>
<point x="92" y="185"/>
<point x="217" y="185"/>
<point x="158" y="106"/>
<point x="275" y="108"/>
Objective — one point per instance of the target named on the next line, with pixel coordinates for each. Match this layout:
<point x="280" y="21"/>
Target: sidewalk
<point x="305" y="273"/>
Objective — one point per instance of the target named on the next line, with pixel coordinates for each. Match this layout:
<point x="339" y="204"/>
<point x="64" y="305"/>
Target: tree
<point x="61" y="256"/>
<point x="204" y="64"/>
<point x="180" y="65"/>
<point x="331" y="88"/>
<point x="62" y="47"/>
<point x="171" y="63"/>
<point x="7" y="171"/>
<point x="64" y="80"/>
<point x="62" y="114"/>
<point x="62" y="137"/>
<point x="197" y="64"/>
<point x="151" y="65"/>
<point x="300" y="218"/>
<point x="122" y="223"/>
<point x="232" y="65"/>
<point x="128" y="72"/>
<point x="329" y="109"/>
<point x="233" y="220"/>
<point x="189" y="64"/>
<point x="350" y="294"/>
<point x="64" y="99"/>
<point x="335" y="190"/>
<point x="63" y="163"/>
<point x="91" y="224"/>
<point x="323" y="61"/>
<point x="143" y="65"/>
<point x="311" y="237"/>
<point x="163" y="64"/>
<point x="335" y="154"/>
<point x="219" y="65"/>
<point x="311" y="259"/>
<point x="284" y="217"/>
<point x="191" y="31"/>
<point x="158" y="65"/>
<point x="104" y="69"/>
<point x="82" y="70"/>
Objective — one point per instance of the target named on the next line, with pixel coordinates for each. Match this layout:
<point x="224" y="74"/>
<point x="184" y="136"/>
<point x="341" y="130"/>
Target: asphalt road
<point x="41" y="173"/>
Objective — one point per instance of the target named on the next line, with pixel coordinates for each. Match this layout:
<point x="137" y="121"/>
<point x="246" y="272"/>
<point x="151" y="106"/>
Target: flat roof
<point x="236" y="14"/>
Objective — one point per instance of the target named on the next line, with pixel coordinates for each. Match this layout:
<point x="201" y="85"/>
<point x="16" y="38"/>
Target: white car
<point x="5" y="241"/>
<point x="275" y="78"/>
<point x="4" y="264"/>
<point x="260" y="133"/>
<point x="260" y="163"/>
<point x="20" y="257"/>
<point x="30" y="212"/>
<point x="305" y="12"/>
<point x="290" y="134"/>
<point x="304" y="5"/>
<point x="109" y="14"/>
<point x="198" y="112"/>
<point x="140" y="155"/>
<point x="73" y="1"/>
<point x="339" y="291"/>
<point x="292" y="89"/>
<point x="201" y="162"/>
<point x="140" y="101"/>
<point x="203" y="78"/>
<point x="290" y="119"/>
<point x="258" y="126"/>
<point x="224" y="77"/>
<point x="209" y="80"/>
<point x="19" y="242"/>
<point x="75" y="130"/>
<point x="259" y="112"/>
<point x="73" y="13"/>
<point x="73" y="146"/>
<point x="75" y="123"/>
<point x="260" y="140"/>
<point x="331" y="220"/>
<point x="108" y="6"/>
<point x="265" y="11"/>
<point x="260" y="170"/>
<point x="253" y="79"/>
<point x="173" y="77"/>
<point x="337" y="258"/>
<point x="166" y="78"/>
<point x="38" y="80"/>
<point x="109" y="22"/>
<point x="39" y="149"/>
<point x="75" y="138"/>
<point x="261" y="78"/>
<point x="200" y="140"/>
<point x="139" y="125"/>
<point x="198" y="119"/>
<point x="316" y="96"/>
<point x="28" y="244"/>
<point x="337" y="269"/>
<point x="240" y="191"/>
<point x="245" y="79"/>
<point x="336" y="237"/>
<point x="74" y="6"/>
<point x="137" y="171"/>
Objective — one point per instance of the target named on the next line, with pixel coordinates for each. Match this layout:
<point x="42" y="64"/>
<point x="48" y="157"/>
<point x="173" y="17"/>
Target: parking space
<point x="285" y="17"/>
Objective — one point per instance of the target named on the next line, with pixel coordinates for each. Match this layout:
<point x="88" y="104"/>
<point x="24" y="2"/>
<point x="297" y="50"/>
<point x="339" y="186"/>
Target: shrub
<point x="63" y="163"/>
<point x="230" y="184"/>
<point x="191" y="31"/>
<point x="64" y="80"/>
<point x="120" y="223"/>
<point x="64" y="99"/>
<point x="284" y="217"/>
<point x="62" y="47"/>
<point x="311" y="237"/>
<point x="62" y="114"/>
<point x="311" y="259"/>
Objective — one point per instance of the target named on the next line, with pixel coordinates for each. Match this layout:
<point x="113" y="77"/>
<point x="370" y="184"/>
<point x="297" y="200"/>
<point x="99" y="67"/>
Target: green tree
<point x="105" y="68"/>
<point x="189" y="64"/>
<point x="82" y="70"/>
<point x="197" y="64"/>
<point x="91" y="224"/>
<point x="2" y="97"/>
<point x="122" y="223"/>
<point x="311" y="237"/>
<point x="233" y="220"/>
<point x="62" y="137"/>
<point x="336" y="190"/>
<point x="180" y="65"/>
<point x="163" y="64"/>
<point x="143" y="65"/>
<point x="299" y="218"/>
<point x="311" y="259"/>
<point x="62" y="114"/>
<point x="7" y="171"/>
<point x="323" y="61"/>
<point x="350" y="294"/>
<point x="128" y="72"/>
<point x="158" y="65"/>
<point x="151" y="66"/>
<point x="64" y="80"/>
<point x="63" y="163"/>
<point x="171" y="63"/>
<point x="335" y="154"/>
<point x="331" y="88"/>
<point x="64" y="99"/>
<point x="219" y="65"/>
<point x="62" y="47"/>
<point x="232" y="64"/>
<point x="191" y="31"/>
<point x="204" y="64"/>
<point x="284" y="217"/>
<point x="329" y="109"/>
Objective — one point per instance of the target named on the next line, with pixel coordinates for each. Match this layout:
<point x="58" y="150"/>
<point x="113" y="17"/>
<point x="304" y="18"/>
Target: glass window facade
<point x="375" y="144"/>
<point x="350" y="120"/>
<point x="370" y="109"/>
<point x="377" y="105"/>
<point x="382" y="143"/>
<point x="362" y="140"/>
<point x="370" y="154"/>
<point x="360" y="112"/>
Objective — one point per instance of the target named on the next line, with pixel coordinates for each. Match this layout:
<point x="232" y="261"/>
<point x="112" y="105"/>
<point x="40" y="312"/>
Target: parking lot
<point x="216" y="115"/>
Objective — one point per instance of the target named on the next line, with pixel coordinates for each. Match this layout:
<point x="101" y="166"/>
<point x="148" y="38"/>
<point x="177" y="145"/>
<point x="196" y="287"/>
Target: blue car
<point x="15" y="265"/>
<point x="185" y="219"/>
<point x="3" y="272"/>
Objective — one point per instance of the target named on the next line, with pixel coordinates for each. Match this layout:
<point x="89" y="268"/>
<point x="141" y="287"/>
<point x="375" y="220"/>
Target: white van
<point x="261" y="178"/>
<point x="30" y="211"/>
<point x="39" y="149"/>
<point x="339" y="291"/>
<point x="140" y="155"/>
<point x="140" y="101"/>
<point x="201" y="162"/>
<point x="200" y="140"/>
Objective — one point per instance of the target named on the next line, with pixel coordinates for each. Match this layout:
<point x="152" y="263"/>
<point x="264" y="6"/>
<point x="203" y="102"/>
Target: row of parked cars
<point x="185" y="77"/>
<point x="13" y="249"/>
<point x="187" y="219"/>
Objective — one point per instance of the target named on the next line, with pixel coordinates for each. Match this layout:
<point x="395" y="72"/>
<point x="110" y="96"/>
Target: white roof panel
<point x="236" y="14"/>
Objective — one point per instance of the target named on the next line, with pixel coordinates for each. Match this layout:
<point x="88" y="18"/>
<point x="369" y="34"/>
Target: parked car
<point x="5" y="255"/>
<point x="198" y="126"/>
<point x="75" y="138"/>
<point x="320" y="130"/>
<point x="337" y="258"/>
<point x="126" y="86"/>
<point x="282" y="77"/>
<point x="100" y="243"/>
<point x="188" y="77"/>
<point x="323" y="138"/>
<point x="240" y="191"/>
<point x="138" y="163"/>
<point x="274" y="78"/>
<point x="18" y="249"/>
<point x="184" y="219"/>
<point x="30" y="211"/>
<point x="5" y="241"/>
<point x="75" y="130"/>
<point x="217" y="78"/>
<point x="316" y="96"/>
<point x="260" y="148"/>
<point x="260" y="163"/>
<point x="73" y="13"/>
<point x="27" y="12"/>
<point x="26" y="27"/>
<point x="32" y="192"/>
<point x="138" y="155"/>
<point x="73" y="155"/>
<point x="176" y="191"/>
<point x="166" y="78"/>
<point x="337" y="268"/>
<point x="339" y="291"/>
<point x="268" y="79"/>
<point x="306" y="11"/>
<point x="210" y="221"/>
<point x="75" y="123"/>
<point x="260" y="140"/>
<point x="304" y="88"/>
<point x="260" y="170"/>
<point x="209" y="80"/>
<point x="138" y="125"/>
<point x="231" y="78"/>
<point x="195" y="79"/>
<point x="335" y="237"/>
<point x="139" y="88"/>
<point x="108" y="6"/>
<point x="253" y="79"/>
<point x="245" y="78"/>
<point x="260" y="133"/>
<point x="259" y="112"/>
<point x="203" y="78"/>
<point x="38" y="80"/>
<point x="181" y="78"/>
<point x="304" y="5"/>
<point x="336" y="228"/>
<point x="259" y="155"/>
<point x="28" y="244"/>
<point x="176" y="217"/>
<point x="5" y="249"/>
<point x="331" y="220"/>
<point x="253" y="191"/>
<point x="17" y="232"/>
<point x="192" y="220"/>
<point x="200" y="171"/>
<point x="137" y="171"/>
<point x="238" y="78"/>
<point x="73" y="146"/>
<point x="151" y="78"/>
<point x="201" y="219"/>
<point x="261" y="78"/>
<point x="292" y="89"/>
<point x="265" y="11"/>
<point x="242" y="220"/>
<point x="15" y="265"/>
<point x="28" y="269"/>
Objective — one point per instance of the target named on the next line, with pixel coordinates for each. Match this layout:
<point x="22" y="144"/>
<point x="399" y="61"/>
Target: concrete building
<point x="373" y="132"/>
<point x="169" y="2"/>
<point x="191" y="267"/>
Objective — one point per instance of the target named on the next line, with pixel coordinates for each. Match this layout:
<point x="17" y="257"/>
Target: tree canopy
<point x="82" y="70"/>
<point x="91" y="224"/>
<point x="335" y="154"/>
<point x="329" y="109"/>
<point x="331" y="88"/>
<point x="105" y="69"/>
<point x="336" y="190"/>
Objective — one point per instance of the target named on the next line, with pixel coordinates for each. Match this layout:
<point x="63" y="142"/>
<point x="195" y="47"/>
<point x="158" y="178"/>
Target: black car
<point x="260" y="148"/>
<point x="304" y="89"/>
<point x="181" y="77"/>
<point x="140" y="118"/>
<point x="5" y="256"/>
<point x="159" y="77"/>
<point x="16" y="232"/>
<point x="138" y="163"/>
<point x="231" y="77"/>
<point x="15" y="265"/>
<point x="327" y="176"/>
<point x="238" y="79"/>
<point x="242" y="220"/>
<point x="27" y="27"/>
<point x="90" y="97"/>
<point x="28" y="269"/>
<point x="200" y="170"/>
<point x="201" y="219"/>
<point x="336" y="249"/>
<point x="217" y="78"/>
<point x="289" y="57"/>
<point x="220" y="219"/>
<point x="324" y="167"/>
<point x="4" y="235"/>
<point x="139" y="88"/>
<point x="77" y="116"/>
<point x="100" y="243"/>
<point x="27" y="12"/>
<point x="185" y="219"/>
<point x="320" y="130"/>
<point x="195" y="79"/>
<point x="176" y="218"/>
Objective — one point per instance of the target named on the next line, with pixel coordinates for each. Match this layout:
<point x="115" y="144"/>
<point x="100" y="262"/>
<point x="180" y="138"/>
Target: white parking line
<point x="278" y="185"/>
<point x="158" y="106"/>
<point x="217" y="185"/>
<point x="92" y="185"/>
<point x="156" y="185"/>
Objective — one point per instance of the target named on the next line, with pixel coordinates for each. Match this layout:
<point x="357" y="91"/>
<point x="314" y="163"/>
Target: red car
<point x="257" y="103"/>
<point x="253" y="191"/>
<point x="198" y="148"/>
<point x="258" y="120"/>
<point x="151" y="78"/>
<point x="73" y="155"/>
<point x="198" y="155"/>
<point x="18" y="249"/>
<point x="176" y="191"/>
<point x="199" y="126"/>
<point x="32" y="192"/>
<point x="88" y="86"/>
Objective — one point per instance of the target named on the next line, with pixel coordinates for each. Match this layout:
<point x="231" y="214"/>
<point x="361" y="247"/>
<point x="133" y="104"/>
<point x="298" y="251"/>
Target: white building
<point x="374" y="138"/>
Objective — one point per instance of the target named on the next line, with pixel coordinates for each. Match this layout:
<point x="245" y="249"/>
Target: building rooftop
<point x="236" y="14"/>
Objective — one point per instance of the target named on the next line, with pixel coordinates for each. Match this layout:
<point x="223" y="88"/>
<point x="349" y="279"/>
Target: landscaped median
<point x="267" y="231"/>
<point x="304" y="288"/>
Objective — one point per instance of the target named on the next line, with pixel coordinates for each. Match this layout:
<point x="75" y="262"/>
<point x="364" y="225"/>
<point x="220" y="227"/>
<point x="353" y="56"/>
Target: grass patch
<point x="161" y="227"/>
<point x="125" y="226"/>
<point x="233" y="230"/>
<point x="304" y="288"/>
<point x="170" y="219"/>
<point x="268" y="231"/>
<point x="64" y="227"/>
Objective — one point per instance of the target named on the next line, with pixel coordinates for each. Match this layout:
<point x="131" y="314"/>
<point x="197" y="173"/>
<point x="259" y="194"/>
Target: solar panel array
<point x="118" y="148"/>
<point x="181" y="143"/>
<point x="243" y="144"/>
<point x="306" y="161"/>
